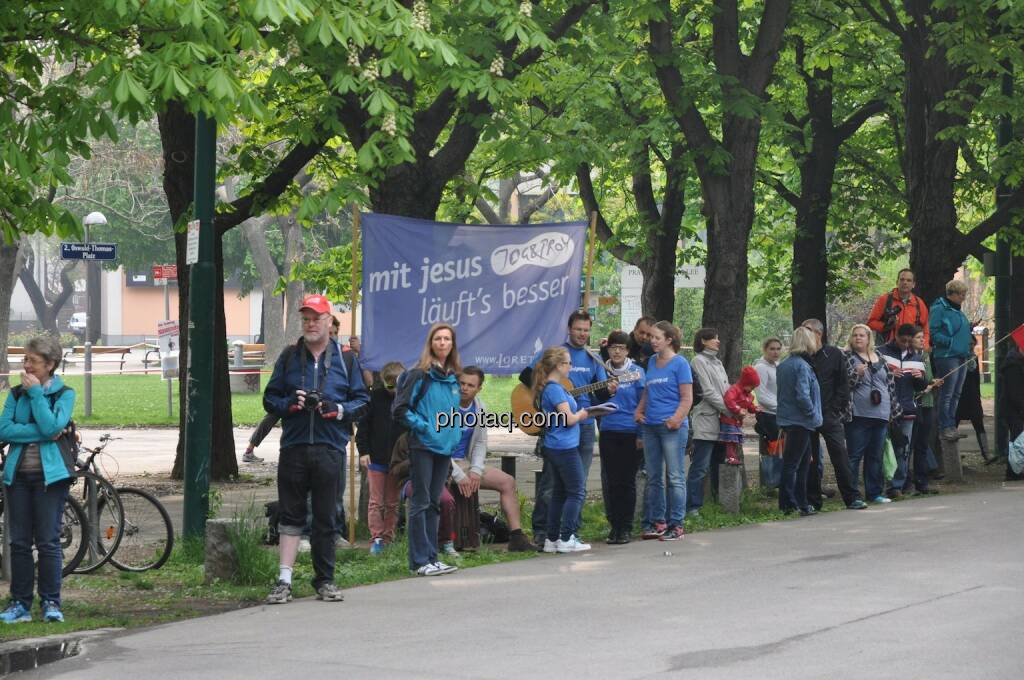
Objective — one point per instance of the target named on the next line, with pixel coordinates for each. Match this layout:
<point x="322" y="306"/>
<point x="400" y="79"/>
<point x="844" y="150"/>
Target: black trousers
<point x="835" y="442"/>
<point x="620" y="460"/>
<point x="313" y="469"/>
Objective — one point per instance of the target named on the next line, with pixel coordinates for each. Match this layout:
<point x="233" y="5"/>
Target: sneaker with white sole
<point x="328" y="592"/>
<point x="550" y="546"/>
<point x="281" y="593"/>
<point x="449" y="550"/>
<point x="430" y="569"/>
<point x="16" y="613"/>
<point x="52" y="612"/>
<point x="445" y="568"/>
<point x="571" y="545"/>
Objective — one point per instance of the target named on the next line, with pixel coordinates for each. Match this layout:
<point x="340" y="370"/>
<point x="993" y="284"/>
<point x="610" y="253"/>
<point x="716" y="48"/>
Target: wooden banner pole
<point x="353" y="514"/>
<point x="592" y="237"/>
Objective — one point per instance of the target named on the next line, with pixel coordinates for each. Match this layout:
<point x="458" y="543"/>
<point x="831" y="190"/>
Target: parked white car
<point x="77" y="323"/>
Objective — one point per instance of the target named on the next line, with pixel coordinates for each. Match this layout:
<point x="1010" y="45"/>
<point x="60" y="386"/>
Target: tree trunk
<point x="10" y="263"/>
<point x="46" y="310"/>
<point x="294" y="253"/>
<point x="410" y="190"/>
<point x="273" y="305"/>
<point x="177" y="136"/>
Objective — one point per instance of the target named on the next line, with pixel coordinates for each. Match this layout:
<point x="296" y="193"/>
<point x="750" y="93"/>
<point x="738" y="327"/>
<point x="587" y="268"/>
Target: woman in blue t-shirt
<point x="662" y="411"/>
<point x="561" y="449"/>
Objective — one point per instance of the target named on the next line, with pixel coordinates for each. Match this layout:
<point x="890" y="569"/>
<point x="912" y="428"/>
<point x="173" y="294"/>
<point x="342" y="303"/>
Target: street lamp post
<point x="92" y="283"/>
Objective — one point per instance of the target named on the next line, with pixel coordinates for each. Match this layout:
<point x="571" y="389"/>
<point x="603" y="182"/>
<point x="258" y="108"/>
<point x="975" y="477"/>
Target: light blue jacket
<point x="441" y="396"/>
<point x="31" y="419"/>
<point x="799" y="394"/>
<point x="950" y="331"/>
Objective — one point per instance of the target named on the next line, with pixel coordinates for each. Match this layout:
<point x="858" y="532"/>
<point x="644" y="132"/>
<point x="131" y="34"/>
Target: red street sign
<point x="165" y="271"/>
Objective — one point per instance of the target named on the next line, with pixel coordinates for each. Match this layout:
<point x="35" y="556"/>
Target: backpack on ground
<point x="272" y="511"/>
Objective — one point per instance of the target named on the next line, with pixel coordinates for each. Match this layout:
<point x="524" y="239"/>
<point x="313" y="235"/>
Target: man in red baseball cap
<point x="316" y="397"/>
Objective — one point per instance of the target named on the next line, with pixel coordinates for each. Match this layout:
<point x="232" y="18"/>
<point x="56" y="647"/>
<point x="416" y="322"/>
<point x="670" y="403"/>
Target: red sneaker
<point x="673" y="534"/>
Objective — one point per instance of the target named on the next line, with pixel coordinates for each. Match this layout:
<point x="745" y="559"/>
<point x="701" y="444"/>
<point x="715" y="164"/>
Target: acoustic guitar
<point x="522" y="398"/>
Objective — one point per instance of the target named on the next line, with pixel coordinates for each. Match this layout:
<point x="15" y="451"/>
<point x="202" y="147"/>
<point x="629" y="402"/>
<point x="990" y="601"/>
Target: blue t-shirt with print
<point x="663" y="388"/>
<point x="467" y="433"/>
<point x="557" y="436"/>
<point x="626" y="398"/>
<point x="584" y="370"/>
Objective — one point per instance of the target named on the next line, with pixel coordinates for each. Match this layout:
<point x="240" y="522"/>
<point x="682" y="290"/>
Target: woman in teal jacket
<point x="424" y="392"/>
<point x="37" y="477"/>
<point x="951" y="347"/>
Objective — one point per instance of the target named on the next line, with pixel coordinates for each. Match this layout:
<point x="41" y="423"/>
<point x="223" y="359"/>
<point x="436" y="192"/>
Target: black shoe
<point x="613" y="537"/>
<point x="808" y="511"/>
<point x="926" y="492"/>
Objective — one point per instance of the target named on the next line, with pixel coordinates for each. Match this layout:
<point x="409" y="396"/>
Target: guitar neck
<point x="587" y="389"/>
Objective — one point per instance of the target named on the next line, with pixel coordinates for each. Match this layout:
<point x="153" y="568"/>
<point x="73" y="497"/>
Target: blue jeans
<point x="796" y="465"/>
<point x="900" y="477"/>
<point x="699" y="464"/>
<point x="919" y="444"/>
<point x="865" y="438"/>
<point x="588" y="435"/>
<point x="427" y="472"/>
<point x="35" y="512"/>
<point x="949" y="393"/>
<point x="566" y="493"/>
<point x="665" y="450"/>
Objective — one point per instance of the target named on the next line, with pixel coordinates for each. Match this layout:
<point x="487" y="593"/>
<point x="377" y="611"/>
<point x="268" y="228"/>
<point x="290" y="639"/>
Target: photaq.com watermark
<point x="505" y="420"/>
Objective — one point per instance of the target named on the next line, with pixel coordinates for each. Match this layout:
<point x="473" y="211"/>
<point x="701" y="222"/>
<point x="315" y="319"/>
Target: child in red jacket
<point x="738" y="398"/>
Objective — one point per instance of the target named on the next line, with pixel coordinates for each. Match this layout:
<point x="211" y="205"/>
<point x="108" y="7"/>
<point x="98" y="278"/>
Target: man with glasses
<point x="898" y="307"/>
<point x="315" y="396"/>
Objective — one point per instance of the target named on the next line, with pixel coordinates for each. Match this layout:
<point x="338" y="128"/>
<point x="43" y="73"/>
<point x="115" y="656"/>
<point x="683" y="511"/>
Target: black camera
<point x="313" y="399"/>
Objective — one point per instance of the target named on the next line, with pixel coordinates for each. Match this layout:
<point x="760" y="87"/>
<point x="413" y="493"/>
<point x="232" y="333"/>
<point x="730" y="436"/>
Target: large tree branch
<point x="766" y="49"/>
<point x="604" y="233"/>
<point x="783" y="191"/>
<point x="855" y="120"/>
<point x="890" y="22"/>
<point x="1007" y="214"/>
<point x="725" y="39"/>
<point x="549" y="192"/>
<point x="643" y="187"/>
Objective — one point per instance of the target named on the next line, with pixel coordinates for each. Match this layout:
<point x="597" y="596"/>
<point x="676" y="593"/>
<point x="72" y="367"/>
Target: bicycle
<point x="147" y="534"/>
<point x="103" y="509"/>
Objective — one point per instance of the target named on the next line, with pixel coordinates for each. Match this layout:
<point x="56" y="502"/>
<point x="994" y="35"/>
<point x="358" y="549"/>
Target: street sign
<point x="88" y="251"/>
<point x="192" y="244"/>
<point x="165" y="271"/>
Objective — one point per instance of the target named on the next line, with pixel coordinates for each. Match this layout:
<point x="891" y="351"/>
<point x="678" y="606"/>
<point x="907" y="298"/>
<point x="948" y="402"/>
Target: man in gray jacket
<point x="468" y="469"/>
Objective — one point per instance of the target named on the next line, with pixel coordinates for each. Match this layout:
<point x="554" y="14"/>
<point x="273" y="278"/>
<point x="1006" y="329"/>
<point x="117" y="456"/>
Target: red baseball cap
<point x="318" y="303"/>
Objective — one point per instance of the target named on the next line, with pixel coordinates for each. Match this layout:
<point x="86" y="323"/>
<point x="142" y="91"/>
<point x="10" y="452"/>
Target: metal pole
<point x="1004" y="258"/>
<point x="199" y="380"/>
<point x="5" y="564"/>
<point x="170" y="381"/>
<point x="352" y="457"/>
<point x="88" y="379"/>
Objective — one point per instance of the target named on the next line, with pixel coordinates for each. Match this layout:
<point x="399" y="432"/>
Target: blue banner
<point x="508" y="290"/>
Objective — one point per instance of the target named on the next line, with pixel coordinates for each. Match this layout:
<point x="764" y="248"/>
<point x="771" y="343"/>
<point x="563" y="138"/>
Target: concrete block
<point x="244" y="383"/>
<point x="730" y="487"/>
<point x="221" y="561"/>
<point x="951" y="461"/>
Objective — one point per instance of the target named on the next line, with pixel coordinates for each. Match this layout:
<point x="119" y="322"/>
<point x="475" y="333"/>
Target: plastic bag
<point x="888" y="460"/>
<point x="1016" y="456"/>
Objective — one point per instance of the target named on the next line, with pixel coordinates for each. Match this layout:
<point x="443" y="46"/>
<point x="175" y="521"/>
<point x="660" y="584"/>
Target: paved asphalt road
<point x="928" y="588"/>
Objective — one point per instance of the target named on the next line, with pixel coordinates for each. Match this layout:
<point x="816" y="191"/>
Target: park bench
<point x="100" y="354"/>
<point x="252" y="353"/>
<point x="150" y="350"/>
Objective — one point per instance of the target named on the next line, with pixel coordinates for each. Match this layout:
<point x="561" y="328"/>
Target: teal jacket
<point x="950" y="331"/>
<point x="31" y="419"/>
<point x="440" y="396"/>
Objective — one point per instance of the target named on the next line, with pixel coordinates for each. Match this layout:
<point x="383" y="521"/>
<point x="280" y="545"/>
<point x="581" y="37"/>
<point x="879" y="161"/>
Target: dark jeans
<point x="35" y="512"/>
<point x="796" y="460"/>
<point x="427" y="473"/>
<point x="620" y="460"/>
<point x="567" y="492"/>
<point x="700" y="461"/>
<point x="542" y="498"/>
<point x="835" y="442"/>
<point x="865" y="438"/>
<point x="314" y="470"/>
<point x="920" y="446"/>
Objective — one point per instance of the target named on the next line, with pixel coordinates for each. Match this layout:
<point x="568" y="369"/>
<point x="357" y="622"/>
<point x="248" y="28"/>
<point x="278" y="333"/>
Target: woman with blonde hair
<point x="799" y="415"/>
<point x="561" y="450"/>
<point x="873" y="404"/>
<point x="424" y="392"/>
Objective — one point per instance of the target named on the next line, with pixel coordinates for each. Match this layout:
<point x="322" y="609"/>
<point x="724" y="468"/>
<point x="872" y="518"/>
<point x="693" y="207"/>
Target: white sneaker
<point x="572" y="545"/>
<point x="431" y="569"/>
<point x="445" y="568"/>
<point x="550" y="546"/>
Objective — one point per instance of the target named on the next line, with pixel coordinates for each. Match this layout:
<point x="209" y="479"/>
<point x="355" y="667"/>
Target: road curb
<point x="23" y="655"/>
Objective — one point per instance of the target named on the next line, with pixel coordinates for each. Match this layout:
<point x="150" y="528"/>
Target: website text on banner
<point x="507" y="290"/>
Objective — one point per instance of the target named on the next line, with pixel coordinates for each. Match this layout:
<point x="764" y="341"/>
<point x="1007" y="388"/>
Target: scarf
<point x="616" y="372"/>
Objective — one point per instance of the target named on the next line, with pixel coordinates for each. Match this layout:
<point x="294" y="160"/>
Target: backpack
<point x="67" y="440"/>
<point x="698" y="394"/>
<point x="416" y="399"/>
<point x="272" y="511"/>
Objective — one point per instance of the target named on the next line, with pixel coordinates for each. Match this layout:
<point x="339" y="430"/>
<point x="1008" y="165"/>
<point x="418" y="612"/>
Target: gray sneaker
<point x="281" y="593"/>
<point x="250" y="457"/>
<point x="328" y="592"/>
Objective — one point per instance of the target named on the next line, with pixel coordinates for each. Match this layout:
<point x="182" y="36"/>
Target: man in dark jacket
<point x="830" y="369"/>
<point x="638" y="347"/>
<point x="313" y="393"/>
<point x="907" y="365"/>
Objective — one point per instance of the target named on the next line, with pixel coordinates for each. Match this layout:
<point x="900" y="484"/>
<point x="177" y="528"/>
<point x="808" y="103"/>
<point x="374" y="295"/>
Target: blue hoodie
<point x="31" y="419"/>
<point x="441" y="396"/>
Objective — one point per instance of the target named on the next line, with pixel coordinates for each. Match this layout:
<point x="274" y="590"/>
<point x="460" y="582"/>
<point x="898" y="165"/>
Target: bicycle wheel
<point x="148" y="533"/>
<point x="105" y="534"/>
<point x="73" y="531"/>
